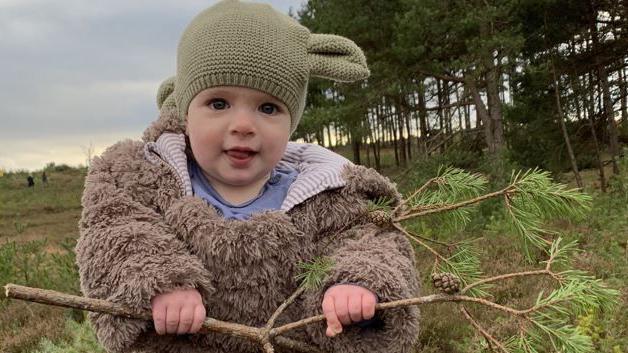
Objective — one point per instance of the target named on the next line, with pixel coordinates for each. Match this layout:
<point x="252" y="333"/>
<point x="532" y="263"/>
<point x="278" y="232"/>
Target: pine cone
<point x="446" y="282"/>
<point x="380" y="218"/>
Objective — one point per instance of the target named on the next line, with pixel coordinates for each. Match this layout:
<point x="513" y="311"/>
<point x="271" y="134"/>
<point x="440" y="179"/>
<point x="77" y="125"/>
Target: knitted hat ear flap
<point x="336" y="58"/>
<point x="164" y="93"/>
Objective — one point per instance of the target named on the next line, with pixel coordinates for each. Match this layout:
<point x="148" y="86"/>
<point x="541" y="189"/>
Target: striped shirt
<point x="318" y="168"/>
<point x="270" y="197"/>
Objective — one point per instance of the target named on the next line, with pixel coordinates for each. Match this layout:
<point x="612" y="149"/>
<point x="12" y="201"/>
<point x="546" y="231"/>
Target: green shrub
<point x="82" y="339"/>
<point x="30" y="264"/>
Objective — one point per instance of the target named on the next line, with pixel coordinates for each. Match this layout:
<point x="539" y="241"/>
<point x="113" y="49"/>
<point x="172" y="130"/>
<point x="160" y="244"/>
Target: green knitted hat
<point x="252" y="45"/>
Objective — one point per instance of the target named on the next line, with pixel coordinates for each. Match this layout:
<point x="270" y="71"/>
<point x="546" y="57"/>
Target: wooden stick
<point x="51" y="297"/>
<point x="263" y="336"/>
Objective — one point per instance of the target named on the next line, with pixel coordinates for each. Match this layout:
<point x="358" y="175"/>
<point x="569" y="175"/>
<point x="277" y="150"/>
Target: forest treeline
<point x="541" y="82"/>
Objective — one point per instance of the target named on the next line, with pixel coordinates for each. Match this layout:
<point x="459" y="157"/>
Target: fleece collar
<point x="319" y="169"/>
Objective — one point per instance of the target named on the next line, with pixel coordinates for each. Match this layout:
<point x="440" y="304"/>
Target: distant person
<point x="31" y="181"/>
<point x="44" y="178"/>
<point x="213" y="212"/>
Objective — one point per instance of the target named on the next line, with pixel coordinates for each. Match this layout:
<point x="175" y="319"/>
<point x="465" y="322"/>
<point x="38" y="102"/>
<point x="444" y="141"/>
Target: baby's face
<point x="237" y="134"/>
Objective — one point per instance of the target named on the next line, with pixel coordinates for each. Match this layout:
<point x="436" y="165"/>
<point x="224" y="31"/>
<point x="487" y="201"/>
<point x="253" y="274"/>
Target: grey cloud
<point x="74" y="71"/>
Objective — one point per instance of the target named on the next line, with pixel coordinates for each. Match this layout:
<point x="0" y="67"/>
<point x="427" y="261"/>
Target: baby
<point x="212" y="213"/>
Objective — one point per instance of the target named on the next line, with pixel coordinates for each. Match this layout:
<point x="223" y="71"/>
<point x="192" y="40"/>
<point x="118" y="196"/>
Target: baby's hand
<point x="180" y="312"/>
<point x="345" y="304"/>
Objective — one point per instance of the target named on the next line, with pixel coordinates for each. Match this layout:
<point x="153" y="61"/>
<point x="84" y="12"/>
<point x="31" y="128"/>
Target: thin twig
<point x="268" y="348"/>
<point x="432" y="240"/>
<point x="505" y="276"/>
<point x="283" y="306"/>
<point x="436" y="253"/>
<point x="293" y="345"/>
<point x="455" y="205"/>
<point x="550" y="260"/>
<point x="484" y="333"/>
<point x="428" y="299"/>
<point x="421" y="208"/>
<point x="418" y="191"/>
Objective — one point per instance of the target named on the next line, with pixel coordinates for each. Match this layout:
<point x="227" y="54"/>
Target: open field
<point x="38" y="227"/>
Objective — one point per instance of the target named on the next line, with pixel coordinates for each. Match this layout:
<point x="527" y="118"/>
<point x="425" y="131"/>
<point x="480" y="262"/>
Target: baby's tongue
<point x="239" y="154"/>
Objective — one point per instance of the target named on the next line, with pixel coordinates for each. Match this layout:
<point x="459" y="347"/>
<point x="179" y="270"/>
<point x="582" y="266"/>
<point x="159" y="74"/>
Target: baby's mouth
<point x="240" y="153"/>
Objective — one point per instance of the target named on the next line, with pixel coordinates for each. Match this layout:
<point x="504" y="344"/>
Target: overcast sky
<point x="76" y="73"/>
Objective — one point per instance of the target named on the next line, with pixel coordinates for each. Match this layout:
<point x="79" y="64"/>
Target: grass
<point x="38" y="228"/>
<point x="47" y="211"/>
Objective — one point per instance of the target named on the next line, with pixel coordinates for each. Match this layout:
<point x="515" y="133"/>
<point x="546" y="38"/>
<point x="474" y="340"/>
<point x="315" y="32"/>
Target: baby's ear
<point x="336" y="58"/>
<point x="164" y="93"/>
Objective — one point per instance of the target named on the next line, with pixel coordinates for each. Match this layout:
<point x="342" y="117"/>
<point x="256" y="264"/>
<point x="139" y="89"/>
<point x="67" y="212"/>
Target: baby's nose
<point x="242" y="122"/>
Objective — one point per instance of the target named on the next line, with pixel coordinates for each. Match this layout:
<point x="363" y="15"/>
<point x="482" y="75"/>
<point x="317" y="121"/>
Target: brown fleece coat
<point x="140" y="237"/>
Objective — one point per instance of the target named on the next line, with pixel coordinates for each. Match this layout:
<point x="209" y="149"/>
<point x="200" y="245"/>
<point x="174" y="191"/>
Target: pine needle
<point x="465" y="264"/>
<point x="314" y="272"/>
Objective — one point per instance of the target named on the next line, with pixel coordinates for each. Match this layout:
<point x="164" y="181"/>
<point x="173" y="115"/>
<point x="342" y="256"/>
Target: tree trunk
<point x="393" y="135"/>
<point x="377" y="153"/>
<point x="482" y="115"/>
<point x="623" y="93"/>
<point x="495" y="105"/>
<point x="460" y="125"/>
<point x="329" y="136"/>
<point x="417" y="125"/>
<point x="400" y="127"/>
<point x="355" y="147"/>
<point x="610" y="118"/>
<point x="447" y="112"/>
<point x="467" y="117"/>
<point x="590" y="119"/>
<point x="563" y="128"/>
<point x="440" y="111"/>
<point x="405" y="114"/>
<point x="423" y="116"/>
<point x="609" y="115"/>
<point x="492" y="93"/>
<point x="320" y="137"/>
<point x="368" y="152"/>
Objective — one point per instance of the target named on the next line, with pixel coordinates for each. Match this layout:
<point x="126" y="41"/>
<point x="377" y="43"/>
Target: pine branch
<point x="254" y="334"/>
<point x="282" y="307"/>
<point x="411" y="197"/>
<point x="504" y="277"/>
<point x="558" y="255"/>
<point x="314" y="272"/>
<point x="530" y="198"/>
<point x="465" y="264"/>
<point x="420" y="242"/>
<point x="452" y="206"/>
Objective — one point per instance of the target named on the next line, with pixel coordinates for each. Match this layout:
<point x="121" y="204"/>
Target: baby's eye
<point x="218" y="104"/>
<point x="269" y="108"/>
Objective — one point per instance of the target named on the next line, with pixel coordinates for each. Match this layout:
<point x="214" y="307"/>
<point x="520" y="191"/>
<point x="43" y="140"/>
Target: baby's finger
<point x="368" y="306"/>
<point x="159" y="319"/>
<point x="342" y="309"/>
<point x="333" y="325"/>
<point x="186" y="318"/>
<point x="199" y="317"/>
<point x="355" y="308"/>
<point x="172" y="319"/>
